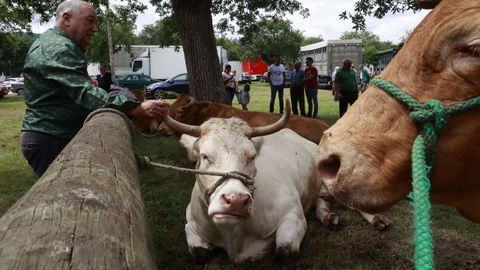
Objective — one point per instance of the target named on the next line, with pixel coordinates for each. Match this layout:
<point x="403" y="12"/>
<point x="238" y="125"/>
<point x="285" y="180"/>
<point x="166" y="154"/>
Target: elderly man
<point x="58" y="92"/>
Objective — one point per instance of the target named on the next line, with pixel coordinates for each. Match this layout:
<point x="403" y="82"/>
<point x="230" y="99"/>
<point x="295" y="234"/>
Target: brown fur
<point x="199" y="112"/>
<point x="374" y="139"/>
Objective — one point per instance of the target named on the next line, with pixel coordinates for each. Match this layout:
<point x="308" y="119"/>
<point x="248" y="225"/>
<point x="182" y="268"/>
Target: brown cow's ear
<point x="201" y="107"/>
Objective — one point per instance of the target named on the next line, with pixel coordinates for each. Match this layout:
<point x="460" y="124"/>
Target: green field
<point x="166" y="193"/>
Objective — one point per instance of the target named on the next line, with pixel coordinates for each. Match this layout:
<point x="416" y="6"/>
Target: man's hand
<point x="147" y="111"/>
<point x="150" y="109"/>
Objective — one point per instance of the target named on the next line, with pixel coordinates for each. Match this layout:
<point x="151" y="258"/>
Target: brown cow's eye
<point x="469" y="50"/>
<point x="476" y="51"/>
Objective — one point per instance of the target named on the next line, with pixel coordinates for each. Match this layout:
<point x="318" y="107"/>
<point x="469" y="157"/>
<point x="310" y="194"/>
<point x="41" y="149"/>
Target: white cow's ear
<point x="258" y="142"/>
<point x="188" y="142"/>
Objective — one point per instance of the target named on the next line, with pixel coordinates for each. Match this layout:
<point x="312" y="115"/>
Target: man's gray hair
<point x="71" y="6"/>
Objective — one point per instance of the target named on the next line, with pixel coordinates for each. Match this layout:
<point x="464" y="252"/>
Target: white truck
<point x="329" y="54"/>
<point x="162" y="63"/>
<point x="237" y="68"/>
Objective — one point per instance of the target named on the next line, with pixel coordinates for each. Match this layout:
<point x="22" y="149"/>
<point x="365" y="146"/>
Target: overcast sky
<point x="323" y="20"/>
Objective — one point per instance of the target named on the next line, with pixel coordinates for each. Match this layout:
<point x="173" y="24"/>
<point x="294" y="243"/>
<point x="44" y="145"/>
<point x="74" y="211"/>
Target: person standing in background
<point x="364" y="78"/>
<point x="229" y="82"/>
<point x="334" y="91"/>
<point x="244" y="95"/>
<point x="104" y="79"/>
<point x="346" y="86"/>
<point x="311" y="87"/>
<point x="276" y="78"/>
<point x="297" y="92"/>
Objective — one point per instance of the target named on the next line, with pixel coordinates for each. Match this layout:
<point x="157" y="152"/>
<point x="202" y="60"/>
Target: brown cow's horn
<point x="181" y="127"/>
<point x="266" y="130"/>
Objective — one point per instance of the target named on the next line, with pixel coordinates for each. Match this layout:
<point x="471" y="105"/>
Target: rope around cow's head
<point x="431" y="117"/>
<point x="247" y="180"/>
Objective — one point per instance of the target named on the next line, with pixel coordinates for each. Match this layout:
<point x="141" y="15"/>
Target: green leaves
<point x="376" y="8"/>
<point x="270" y="37"/>
<point x="13" y="49"/>
<point x="371" y="44"/>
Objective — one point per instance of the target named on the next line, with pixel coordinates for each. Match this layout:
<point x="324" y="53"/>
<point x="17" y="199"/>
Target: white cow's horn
<point x="181" y="127"/>
<point x="266" y="130"/>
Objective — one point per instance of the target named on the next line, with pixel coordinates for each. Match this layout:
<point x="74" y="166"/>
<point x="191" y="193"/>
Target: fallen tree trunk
<point x="86" y="211"/>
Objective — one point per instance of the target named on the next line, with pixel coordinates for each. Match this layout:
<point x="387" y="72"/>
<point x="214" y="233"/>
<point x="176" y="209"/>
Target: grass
<point x="167" y="194"/>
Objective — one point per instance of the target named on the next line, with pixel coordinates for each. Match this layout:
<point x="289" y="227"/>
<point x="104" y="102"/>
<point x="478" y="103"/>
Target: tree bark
<point x="194" y="20"/>
<point x="86" y="211"/>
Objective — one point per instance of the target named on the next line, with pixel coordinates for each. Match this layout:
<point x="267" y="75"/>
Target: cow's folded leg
<point x="289" y="235"/>
<point x="201" y="250"/>
<point x="322" y="210"/>
<point x="378" y="221"/>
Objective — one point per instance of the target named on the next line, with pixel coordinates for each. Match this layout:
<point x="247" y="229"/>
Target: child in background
<point x="244" y="96"/>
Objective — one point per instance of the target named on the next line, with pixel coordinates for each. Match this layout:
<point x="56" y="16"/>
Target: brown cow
<point x="364" y="158"/>
<point x="186" y="110"/>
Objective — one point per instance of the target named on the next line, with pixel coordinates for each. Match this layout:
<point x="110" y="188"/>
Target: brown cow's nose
<point x="236" y="202"/>
<point x="328" y="165"/>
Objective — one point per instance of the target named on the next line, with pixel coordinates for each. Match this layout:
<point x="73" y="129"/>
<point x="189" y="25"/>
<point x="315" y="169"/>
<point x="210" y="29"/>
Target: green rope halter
<point x="431" y="116"/>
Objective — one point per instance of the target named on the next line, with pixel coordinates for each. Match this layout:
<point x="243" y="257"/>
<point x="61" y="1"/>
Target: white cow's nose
<point x="236" y="202"/>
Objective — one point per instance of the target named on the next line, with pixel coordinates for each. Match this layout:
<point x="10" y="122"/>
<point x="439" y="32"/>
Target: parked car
<point x="94" y="80"/>
<point x="254" y="77"/>
<point x="245" y="77"/>
<point x="264" y="77"/>
<point x="324" y="82"/>
<point x="135" y="81"/>
<point x="3" y="90"/>
<point x="17" y="87"/>
<point x="8" y="82"/>
<point x="176" y="85"/>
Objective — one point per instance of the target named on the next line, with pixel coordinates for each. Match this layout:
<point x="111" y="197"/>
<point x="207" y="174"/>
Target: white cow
<point x="228" y="214"/>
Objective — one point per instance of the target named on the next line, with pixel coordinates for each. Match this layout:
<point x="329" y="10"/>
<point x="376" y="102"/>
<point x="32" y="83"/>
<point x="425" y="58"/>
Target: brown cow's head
<point x="365" y="157"/>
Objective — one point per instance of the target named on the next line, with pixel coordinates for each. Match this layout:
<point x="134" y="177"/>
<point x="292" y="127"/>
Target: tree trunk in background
<point x="194" y="22"/>
<point x="110" y="42"/>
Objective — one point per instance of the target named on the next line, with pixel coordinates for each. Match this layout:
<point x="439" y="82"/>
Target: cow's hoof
<point x="381" y="222"/>
<point x="285" y="253"/>
<point x="202" y="255"/>
<point x="331" y="221"/>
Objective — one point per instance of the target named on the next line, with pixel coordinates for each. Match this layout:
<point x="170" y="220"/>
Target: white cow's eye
<point x="204" y="157"/>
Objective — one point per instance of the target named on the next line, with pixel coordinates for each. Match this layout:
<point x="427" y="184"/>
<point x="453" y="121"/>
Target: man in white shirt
<point x="276" y="77"/>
